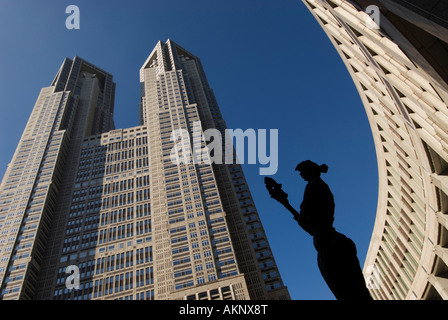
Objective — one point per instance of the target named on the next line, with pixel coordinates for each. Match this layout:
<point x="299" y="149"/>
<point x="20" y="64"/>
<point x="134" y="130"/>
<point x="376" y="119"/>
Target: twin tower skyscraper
<point x="88" y="211"/>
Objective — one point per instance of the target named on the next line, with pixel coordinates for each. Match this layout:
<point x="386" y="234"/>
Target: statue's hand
<point x="275" y="190"/>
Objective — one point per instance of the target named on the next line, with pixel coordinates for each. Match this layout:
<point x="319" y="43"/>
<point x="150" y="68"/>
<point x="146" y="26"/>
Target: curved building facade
<point x="396" y="53"/>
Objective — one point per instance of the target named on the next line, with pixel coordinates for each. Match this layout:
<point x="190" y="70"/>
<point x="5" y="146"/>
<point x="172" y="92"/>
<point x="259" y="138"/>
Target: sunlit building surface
<point x="396" y="52"/>
<point x="112" y="205"/>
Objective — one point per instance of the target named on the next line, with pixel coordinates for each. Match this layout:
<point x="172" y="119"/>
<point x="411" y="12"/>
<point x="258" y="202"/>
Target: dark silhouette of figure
<point x="336" y="254"/>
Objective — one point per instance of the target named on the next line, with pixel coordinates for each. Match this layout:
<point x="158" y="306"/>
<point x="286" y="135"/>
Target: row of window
<point x="125" y="199"/>
<point x="116" y="233"/>
<point x="110" y="285"/>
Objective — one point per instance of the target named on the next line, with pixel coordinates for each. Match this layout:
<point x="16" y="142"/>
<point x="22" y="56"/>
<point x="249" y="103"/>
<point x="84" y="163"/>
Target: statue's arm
<point x="281" y="196"/>
<point x="291" y="209"/>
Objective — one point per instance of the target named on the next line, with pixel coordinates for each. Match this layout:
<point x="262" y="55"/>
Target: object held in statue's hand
<point x="275" y="190"/>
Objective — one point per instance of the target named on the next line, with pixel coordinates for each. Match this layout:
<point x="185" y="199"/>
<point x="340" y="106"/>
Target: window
<point x="212" y="277"/>
<point x="201" y="280"/>
<point x="198" y="267"/>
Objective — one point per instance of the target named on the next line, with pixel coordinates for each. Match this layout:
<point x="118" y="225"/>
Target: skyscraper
<point x="396" y="53"/>
<point x="111" y="205"/>
<point x="37" y="185"/>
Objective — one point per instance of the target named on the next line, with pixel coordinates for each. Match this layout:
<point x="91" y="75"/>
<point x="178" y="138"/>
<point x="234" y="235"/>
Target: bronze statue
<point x="336" y="254"/>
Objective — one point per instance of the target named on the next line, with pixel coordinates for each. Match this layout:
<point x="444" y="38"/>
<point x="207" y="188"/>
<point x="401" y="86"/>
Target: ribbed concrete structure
<point x="399" y="67"/>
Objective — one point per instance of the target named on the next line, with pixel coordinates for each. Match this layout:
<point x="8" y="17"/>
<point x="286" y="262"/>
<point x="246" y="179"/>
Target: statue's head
<point x="310" y="170"/>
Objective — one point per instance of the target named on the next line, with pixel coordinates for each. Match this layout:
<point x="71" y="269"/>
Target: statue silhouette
<point x="336" y="254"/>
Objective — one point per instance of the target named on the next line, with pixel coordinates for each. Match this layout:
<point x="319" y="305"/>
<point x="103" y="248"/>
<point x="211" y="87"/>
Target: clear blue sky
<point x="271" y="67"/>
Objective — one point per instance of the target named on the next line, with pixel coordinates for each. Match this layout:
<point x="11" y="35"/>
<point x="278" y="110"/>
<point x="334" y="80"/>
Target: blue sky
<point x="271" y="67"/>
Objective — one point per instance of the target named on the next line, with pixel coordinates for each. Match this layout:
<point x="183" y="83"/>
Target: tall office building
<point x="396" y="52"/>
<point x="35" y="190"/>
<point x="110" y="205"/>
